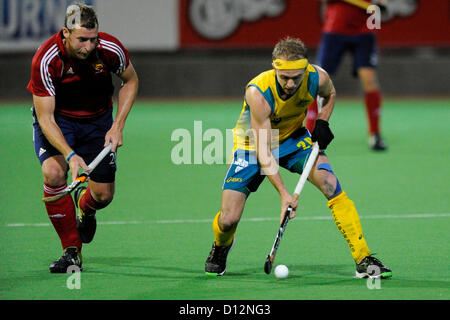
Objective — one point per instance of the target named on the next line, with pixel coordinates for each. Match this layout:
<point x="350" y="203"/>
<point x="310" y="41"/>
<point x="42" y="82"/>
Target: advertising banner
<point x="261" y="23"/>
<point x="139" y="24"/>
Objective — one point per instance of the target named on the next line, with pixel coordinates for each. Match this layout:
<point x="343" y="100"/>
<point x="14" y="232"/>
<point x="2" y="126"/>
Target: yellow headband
<point x="290" y="65"/>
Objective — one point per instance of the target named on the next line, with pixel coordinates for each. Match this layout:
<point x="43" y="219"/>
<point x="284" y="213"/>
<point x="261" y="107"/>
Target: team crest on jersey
<point x="303" y="103"/>
<point x="99" y="68"/>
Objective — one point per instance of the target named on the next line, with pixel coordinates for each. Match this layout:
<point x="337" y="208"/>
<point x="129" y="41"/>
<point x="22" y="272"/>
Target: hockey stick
<point x="367" y="5"/>
<point x="81" y="178"/>
<point x="359" y="3"/>
<point x="298" y="189"/>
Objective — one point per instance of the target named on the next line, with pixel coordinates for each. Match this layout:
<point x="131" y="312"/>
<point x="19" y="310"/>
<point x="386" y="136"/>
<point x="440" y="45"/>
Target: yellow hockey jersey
<point x="287" y="115"/>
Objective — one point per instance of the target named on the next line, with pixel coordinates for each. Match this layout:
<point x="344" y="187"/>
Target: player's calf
<point x="216" y="263"/>
<point x="347" y="221"/>
<point x="86" y="222"/>
<point x="87" y="205"/>
<point x="62" y="216"/>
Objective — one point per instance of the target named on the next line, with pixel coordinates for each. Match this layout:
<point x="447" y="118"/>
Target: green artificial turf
<point x="153" y="240"/>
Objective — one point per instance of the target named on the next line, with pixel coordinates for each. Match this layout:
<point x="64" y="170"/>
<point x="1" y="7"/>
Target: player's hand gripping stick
<point x="81" y="178"/>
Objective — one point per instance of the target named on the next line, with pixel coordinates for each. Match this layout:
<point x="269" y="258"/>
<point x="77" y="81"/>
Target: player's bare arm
<point x="127" y="95"/>
<point x="322" y="133"/>
<point x="328" y="93"/>
<point x="260" y="119"/>
<point x="45" y="107"/>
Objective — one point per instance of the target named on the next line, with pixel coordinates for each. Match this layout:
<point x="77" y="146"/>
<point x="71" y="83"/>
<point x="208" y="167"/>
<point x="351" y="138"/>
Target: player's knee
<point x="54" y="175"/>
<point x="368" y="79"/>
<point x="103" y="197"/>
<point x="330" y="184"/>
<point x="228" y="219"/>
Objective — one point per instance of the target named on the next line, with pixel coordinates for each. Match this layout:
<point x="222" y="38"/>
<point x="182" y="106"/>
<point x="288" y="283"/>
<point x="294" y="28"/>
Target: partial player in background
<point x="345" y="30"/>
<point x="71" y="83"/>
<point x="269" y="132"/>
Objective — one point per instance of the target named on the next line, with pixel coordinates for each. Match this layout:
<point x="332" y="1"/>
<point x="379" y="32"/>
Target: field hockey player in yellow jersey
<point x="270" y="133"/>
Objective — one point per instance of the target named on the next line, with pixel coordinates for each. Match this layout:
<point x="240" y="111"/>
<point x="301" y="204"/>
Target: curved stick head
<point x="54" y="198"/>
<point x="268" y="265"/>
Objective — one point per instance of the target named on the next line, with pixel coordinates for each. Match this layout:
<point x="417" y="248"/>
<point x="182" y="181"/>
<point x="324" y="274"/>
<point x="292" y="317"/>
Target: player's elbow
<point x="135" y="79"/>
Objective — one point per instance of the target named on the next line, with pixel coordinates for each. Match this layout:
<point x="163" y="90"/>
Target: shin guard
<point x="222" y="238"/>
<point x="347" y="221"/>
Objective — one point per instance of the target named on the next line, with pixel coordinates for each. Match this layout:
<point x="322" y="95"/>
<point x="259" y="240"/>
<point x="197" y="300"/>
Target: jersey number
<point x="305" y="143"/>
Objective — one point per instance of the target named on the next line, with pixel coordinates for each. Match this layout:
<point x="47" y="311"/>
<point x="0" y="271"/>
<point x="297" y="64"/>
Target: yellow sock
<point x="347" y="220"/>
<point x="222" y="238"/>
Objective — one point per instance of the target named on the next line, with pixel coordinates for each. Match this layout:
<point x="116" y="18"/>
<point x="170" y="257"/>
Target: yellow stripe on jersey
<point x="287" y="115"/>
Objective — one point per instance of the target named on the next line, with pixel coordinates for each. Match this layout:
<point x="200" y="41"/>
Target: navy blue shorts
<point x="332" y="47"/>
<point x="245" y="174"/>
<point x="85" y="137"/>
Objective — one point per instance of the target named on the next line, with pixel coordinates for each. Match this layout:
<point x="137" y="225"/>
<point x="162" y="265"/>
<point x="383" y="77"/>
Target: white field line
<point x="312" y="218"/>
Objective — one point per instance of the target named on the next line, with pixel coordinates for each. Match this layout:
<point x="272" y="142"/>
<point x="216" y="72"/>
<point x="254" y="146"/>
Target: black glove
<point x="322" y="134"/>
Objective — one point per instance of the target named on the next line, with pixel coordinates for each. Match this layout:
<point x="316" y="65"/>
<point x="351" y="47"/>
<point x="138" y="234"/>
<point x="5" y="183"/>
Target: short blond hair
<point x="290" y="49"/>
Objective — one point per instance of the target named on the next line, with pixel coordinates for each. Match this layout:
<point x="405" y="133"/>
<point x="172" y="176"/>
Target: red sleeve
<point x="43" y="72"/>
<point x="115" y="54"/>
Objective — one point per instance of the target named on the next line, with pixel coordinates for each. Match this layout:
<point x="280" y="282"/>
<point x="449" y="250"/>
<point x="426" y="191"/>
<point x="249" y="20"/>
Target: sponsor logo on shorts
<point x="234" y="180"/>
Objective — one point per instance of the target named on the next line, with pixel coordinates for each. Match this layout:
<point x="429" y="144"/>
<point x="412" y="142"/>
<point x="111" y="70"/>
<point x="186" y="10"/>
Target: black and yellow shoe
<point x="371" y="267"/>
<point x="71" y="257"/>
<point x="86" y="224"/>
<point x="216" y="263"/>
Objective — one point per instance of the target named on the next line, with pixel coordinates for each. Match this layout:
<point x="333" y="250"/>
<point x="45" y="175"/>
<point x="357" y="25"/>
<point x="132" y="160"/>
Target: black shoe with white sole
<point x="216" y="263"/>
<point x="70" y="258"/>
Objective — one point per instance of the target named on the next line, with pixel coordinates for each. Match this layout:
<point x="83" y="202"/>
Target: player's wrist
<point x="118" y="125"/>
<point x="284" y="193"/>
<point x="69" y="156"/>
<point x="322" y="133"/>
